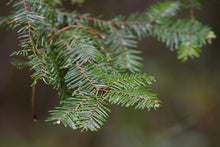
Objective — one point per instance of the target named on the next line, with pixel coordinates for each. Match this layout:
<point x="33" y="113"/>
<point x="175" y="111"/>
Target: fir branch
<point x="188" y="49"/>
<point x="155" y="15"/>
<point x="30" y="39"/>
<point x="85" y="58"/>
<point x="74" y="109"/>
<point x="128" y="99"/>
<point x="130" y="95"/>
<point x="93" y="111"/>
<point x="57" y="84"/>
<point x="123" y="23"/>
<point x="90" y="58"/>
<point x="123" y="45"/>
<point x="177" y="31"/>
<point x="84" y="74"/>
<point x="89" y="30"/>
<point x="131" y="78"/>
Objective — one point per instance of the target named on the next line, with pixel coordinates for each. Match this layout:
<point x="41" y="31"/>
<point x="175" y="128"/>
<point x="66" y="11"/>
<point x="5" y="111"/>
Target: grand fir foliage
<point x="93" y="62"/>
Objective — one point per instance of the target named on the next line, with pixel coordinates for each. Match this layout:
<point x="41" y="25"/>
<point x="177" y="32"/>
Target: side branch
<point x="74" y="109"/>
<point x="89" y="30"/>
<point x="90" y="58"/>
<point x="123" y="81"/>
<point x="134" y="96"/>
<point x="140" y="23"/>
<point x="59" y="78"/>
<point x="30" y="39"/>
<point x="125" y="23"/>
<point x="122" y="43"/>
<point x="177" y="31"/>
<point x="93" y="111"/>
<point x="83" y="72"/>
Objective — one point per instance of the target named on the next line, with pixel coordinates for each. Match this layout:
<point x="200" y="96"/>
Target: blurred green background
<point x="189" y="117"/>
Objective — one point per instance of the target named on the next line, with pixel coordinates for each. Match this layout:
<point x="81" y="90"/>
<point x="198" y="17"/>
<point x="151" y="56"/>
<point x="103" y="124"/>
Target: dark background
<point x="190" y="93"/>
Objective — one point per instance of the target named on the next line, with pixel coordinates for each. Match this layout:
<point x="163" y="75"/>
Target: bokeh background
<point x="189" y="117"/>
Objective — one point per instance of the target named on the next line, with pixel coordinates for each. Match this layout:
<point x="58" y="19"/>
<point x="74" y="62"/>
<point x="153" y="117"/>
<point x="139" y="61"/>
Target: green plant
<point x="92" y="62"/>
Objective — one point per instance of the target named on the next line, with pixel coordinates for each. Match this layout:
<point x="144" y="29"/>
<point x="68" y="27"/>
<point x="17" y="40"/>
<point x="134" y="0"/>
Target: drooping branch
<point x="30" y="38"/>
<point x="74" y="109"/>
<point x="93" y="111"/>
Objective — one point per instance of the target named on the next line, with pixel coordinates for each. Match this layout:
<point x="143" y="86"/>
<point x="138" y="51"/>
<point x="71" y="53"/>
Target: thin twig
<point x="109" y="67"/>
<point x="33" y="103"/>
<point x="191" y="10"/>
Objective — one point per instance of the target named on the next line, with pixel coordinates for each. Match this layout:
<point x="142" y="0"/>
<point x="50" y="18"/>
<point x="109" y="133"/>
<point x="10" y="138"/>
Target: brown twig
<point x="191" y="10"/>
<point x="14" y="20"/>
<point x="111" y="68"/>
<point x="89" y="30"/>
<point x="33" y="103"/>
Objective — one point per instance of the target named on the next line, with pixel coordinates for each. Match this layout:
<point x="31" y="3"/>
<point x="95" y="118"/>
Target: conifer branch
<point x="30" y="39"/>
<point x="133" y="96"/>
<point x="123" y="45"/>
<point x="85" y="50"/>
<point x="124" y="80"/>
<point x="93" y="111"/>
<point x="89" y="30"/>
<point x="85" y="58"/>
<point x="178" y="31"/>
<point x="123" y="23"/>
<point x="84" y="74"/>
<point x="60" y="83"/>
<point x="74" y="109"/>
